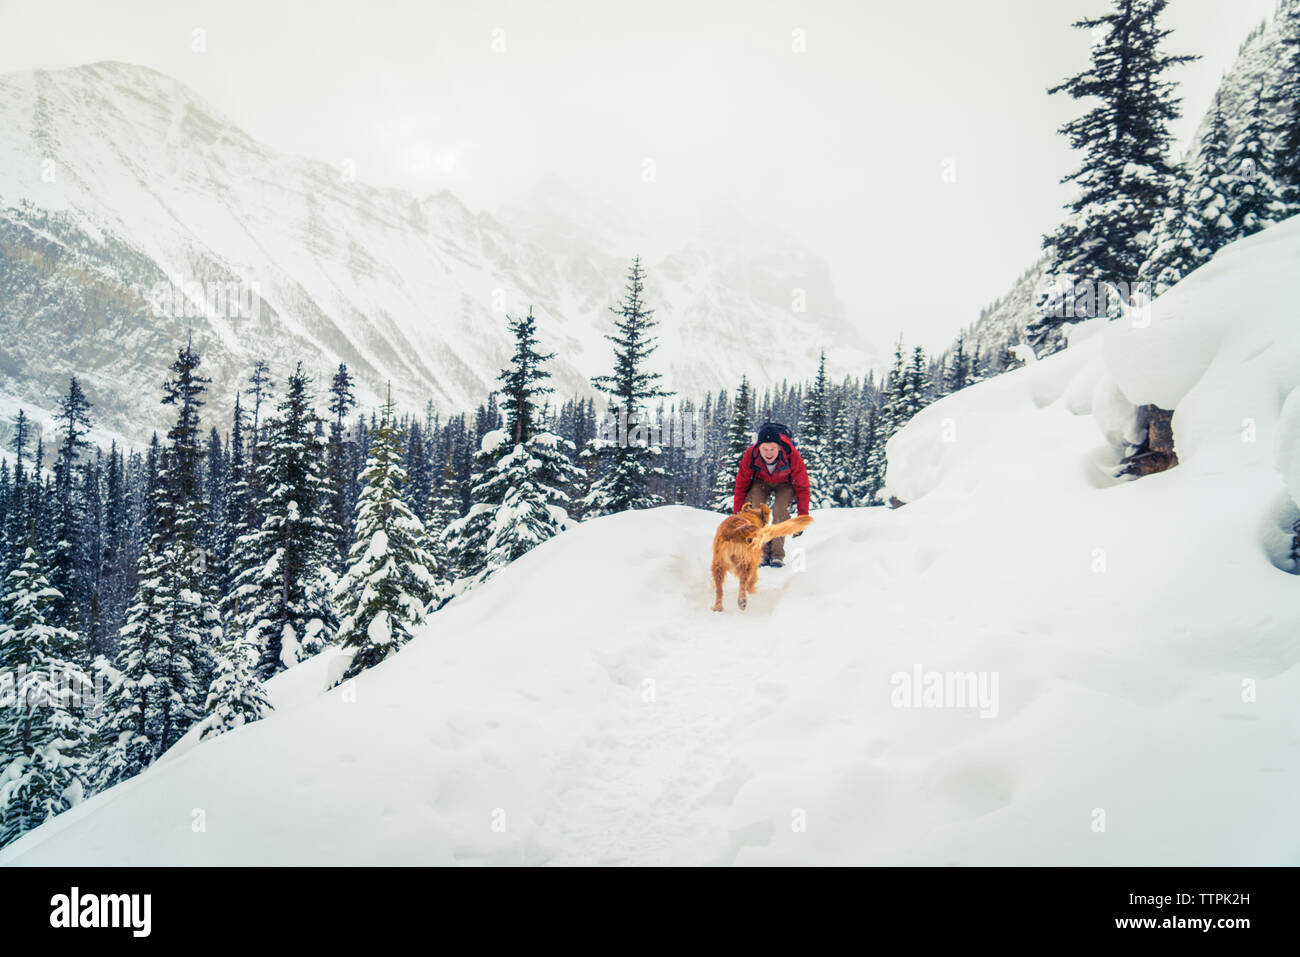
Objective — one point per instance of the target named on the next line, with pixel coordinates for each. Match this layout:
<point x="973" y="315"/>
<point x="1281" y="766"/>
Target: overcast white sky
<point x="843" y="144"/>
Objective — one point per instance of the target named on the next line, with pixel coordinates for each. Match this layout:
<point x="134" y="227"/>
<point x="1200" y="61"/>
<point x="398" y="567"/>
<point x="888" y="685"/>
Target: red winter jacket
<point x="789" y="468"/>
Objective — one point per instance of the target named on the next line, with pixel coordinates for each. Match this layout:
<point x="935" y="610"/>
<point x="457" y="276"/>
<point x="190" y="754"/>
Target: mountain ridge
<point x="122" y="172"/>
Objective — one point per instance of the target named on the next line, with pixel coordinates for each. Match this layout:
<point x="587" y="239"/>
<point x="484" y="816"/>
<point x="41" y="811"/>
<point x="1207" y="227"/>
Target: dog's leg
<point x="744" y="572"/>
<point x="719" y="573"/>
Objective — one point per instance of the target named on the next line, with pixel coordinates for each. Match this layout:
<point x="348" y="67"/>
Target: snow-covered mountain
<point x="1031" y="662"/>
<point x="115" y="178"/>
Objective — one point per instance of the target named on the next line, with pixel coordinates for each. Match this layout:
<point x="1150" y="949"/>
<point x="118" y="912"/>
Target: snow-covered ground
<point x="1132" y="650"/>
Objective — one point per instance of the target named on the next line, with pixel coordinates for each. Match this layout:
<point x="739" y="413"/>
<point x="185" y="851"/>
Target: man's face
<point x="769" y="451"/>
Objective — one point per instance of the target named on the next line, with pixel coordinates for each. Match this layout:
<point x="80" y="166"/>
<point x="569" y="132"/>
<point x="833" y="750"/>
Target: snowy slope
<point x="585" y="706"/>
<point x="114" y="178"/>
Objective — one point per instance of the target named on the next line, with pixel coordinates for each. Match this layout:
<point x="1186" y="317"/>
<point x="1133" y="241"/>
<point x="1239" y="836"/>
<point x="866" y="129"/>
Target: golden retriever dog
<point x="738" y="546"/>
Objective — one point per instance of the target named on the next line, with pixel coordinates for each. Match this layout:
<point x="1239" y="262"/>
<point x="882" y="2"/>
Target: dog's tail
<point x="781" y="529"/>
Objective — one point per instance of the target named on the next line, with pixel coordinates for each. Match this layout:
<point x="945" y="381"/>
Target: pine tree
<point x="1195" y="223"/>
<point x="285" y="576"/>
<point x="66" y="571"/>
<point x="467" y="539"/>
<point x="870" y="476"/>
<point x="815" y="439"/>
<point x="6" y="495"/>
<point x="958" y="374"/>
<point x="444" y="507"/>
<point x="236" y="697"/>
<point x="340" y="505"/>
<point x="843" y="471"/>
<point x="391" y="579"/>
<point x="46" y="738"/>
<point x="1256" y="199"/>
<point x="128" y="728"/>
<point x="89" y="557"/>
<point x="535" y="474"/>
<point x="738" y="441"/>
<point x="890" y="418"/>
<point x="520" y="495"/>
<point x="1284" y="99"/>
<point x="116" y="580"/>
<point x="164" y="662"/>
<point x="260" y="385"/>
<point x="626" y="463"/>
<point x="19" y="511"/>
<point x="916" y="387"/>
<point x="1124" y="180"/>
<point x="183" y="532"/>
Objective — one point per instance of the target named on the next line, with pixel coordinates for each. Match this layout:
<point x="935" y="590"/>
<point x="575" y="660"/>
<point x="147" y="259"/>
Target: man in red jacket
<point x="770" y="467"/>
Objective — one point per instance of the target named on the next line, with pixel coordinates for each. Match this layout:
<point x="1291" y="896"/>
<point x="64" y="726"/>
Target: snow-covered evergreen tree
<point x="1255" y="201"/>
<point x="625" y="467"/>
<point x="1124" y="180"/>
<point x="1195" y="222"/>
<point x="164" y="662"/>
<point x="520" y="497"/>
<point x="1284" y="99"/>
<point x="915" y="394"/>
<point x="285" y="577"/>
<point x="340" y="499"/>
<point x="444" y="508"/>
<point x="17" y="526"/>
<point x="957" y="374"/>
<point x="467" y="538"/>
<point x="843" y="463"/>
<point x="67" y="568"/>
<point x="46" y="736"/>
<point x="870" y="477"/>
<point x="815" y="439"/>
<point x="739" y="438"/>
<point x="236" y="696"/>
<point x="891" y="415"/>
<point x="391" y="580"/>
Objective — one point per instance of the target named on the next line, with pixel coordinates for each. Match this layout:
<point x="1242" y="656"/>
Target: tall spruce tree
<point x="1256" y="199"/>
<point x="1125" y="178"/>
<point x="891" y="416"/>
<point x="739" y="438"/>
<point x="1284" y="100"/>
<point x="626" y="458"/>
<point x="1195" y="223"/>
<point x="235" y="697"/>
<point x="117" y="556"/>
<point x="391" y="580"/>
<point x="164" y="662"/>
<point x="916" y="387"/>
<point x="444" y="507"/>
<point x="958" y="373"/>
<point x="342" y="402"/>
<point x="868" y="483"/>
<point x="520" y="496"/>
<point x="285" y="575"/>
<point x="46" y="737"/>
<point x="66" y="569"/>
<point x="815" y="439"/>
<point x="19" y="531"/>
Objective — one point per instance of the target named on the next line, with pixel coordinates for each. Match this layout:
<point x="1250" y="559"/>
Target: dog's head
<point x="762" y="511"/>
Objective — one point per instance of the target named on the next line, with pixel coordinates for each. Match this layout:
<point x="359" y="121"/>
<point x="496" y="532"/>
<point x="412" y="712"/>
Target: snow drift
<point x="1127" y="650"/>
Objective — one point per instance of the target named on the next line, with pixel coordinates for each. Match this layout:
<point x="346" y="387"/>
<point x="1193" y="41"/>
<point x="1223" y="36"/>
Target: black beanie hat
<point x="769" y="433"/>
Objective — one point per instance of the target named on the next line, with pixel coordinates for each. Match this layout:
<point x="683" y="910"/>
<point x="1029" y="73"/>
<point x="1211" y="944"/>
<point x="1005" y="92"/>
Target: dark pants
<point x="759" y="493"/>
